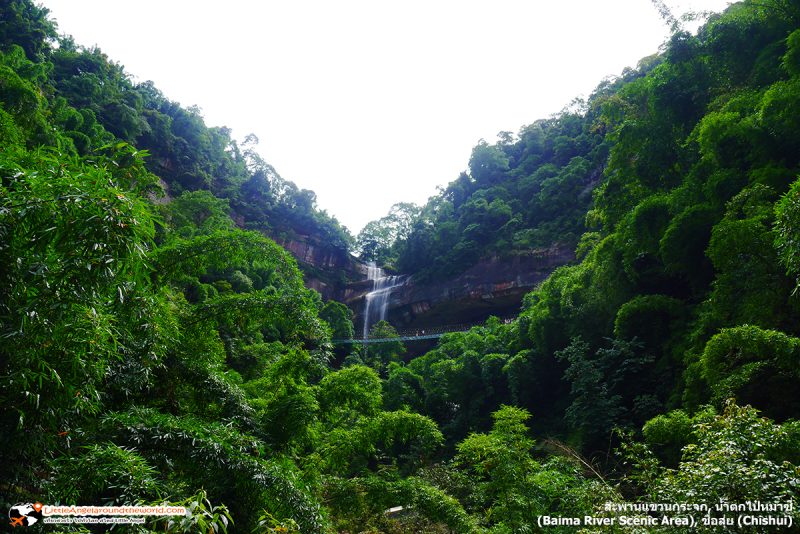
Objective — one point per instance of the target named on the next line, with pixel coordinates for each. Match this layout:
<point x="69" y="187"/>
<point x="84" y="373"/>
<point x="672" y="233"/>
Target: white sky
<point x="371" y="102"/>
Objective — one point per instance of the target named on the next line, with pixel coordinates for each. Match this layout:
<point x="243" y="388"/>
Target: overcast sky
<point x="371" y="102"/>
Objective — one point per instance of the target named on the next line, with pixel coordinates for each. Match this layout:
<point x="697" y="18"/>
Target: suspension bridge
<point x="414" y="334"/>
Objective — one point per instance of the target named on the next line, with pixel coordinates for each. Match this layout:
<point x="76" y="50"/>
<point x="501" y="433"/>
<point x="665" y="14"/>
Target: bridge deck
<point x="416" y="334"/>
<point x="390" y="339"/>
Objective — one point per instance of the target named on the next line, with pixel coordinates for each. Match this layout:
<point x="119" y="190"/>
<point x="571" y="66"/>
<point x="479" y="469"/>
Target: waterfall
<point x="376" y="306"/>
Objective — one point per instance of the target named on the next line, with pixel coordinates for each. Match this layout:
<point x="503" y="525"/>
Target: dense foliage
<point x="94" y="102"/>
<point x="526" y="192"/>
<point x="162" y="349"/>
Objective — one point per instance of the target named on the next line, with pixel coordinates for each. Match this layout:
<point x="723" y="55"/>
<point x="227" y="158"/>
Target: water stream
<point x="376" y="306"/>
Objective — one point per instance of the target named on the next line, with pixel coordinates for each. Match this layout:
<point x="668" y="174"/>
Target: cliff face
<point x="494" y="286"/>
<point x="309" y="252"/>
<point x="328" y="270"/>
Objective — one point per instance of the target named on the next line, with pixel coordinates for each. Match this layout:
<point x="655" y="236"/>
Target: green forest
<point x="158" y="345"/>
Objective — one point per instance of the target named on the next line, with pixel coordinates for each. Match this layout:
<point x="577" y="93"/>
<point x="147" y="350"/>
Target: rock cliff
<point x="328" y="270"/>
<point x="493" y="286"/>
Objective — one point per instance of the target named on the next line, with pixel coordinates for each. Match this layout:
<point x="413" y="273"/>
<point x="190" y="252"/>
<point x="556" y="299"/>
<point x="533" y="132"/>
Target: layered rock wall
<point x="493" y="286"/>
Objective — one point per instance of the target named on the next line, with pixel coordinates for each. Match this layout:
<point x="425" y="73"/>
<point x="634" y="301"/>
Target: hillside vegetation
<point x="163" y="349"/>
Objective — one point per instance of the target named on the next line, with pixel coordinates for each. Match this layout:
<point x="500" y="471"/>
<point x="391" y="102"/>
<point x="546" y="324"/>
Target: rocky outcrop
<point x="494" y="286"/>
<point x="330" y="271"/>
<point x="311" y="253"/>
